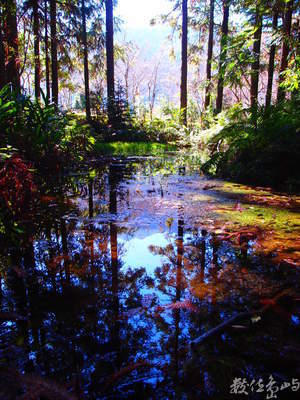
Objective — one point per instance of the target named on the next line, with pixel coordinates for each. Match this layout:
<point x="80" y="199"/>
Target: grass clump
<point x="132" y="148"/>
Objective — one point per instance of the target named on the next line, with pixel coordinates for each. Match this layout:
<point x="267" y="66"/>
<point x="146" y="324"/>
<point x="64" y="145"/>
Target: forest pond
<point x="127" y="262"/>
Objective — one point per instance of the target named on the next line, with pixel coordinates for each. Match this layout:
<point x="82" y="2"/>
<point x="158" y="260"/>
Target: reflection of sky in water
<point x="137" y="253"/>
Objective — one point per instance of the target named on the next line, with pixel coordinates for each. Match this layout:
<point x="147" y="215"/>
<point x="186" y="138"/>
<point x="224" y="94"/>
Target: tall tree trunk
<point x="184" y="66"/>
<point x="209" y="53"/>
<point x="37" y="62"/>
<point x="86" y="63"/>
<point x="54" y="62"/>
<point x="271" y="62"/>
<point x="256" y="63"/>
<point x="223" y="53"/>
<point x="287" y="23"/>
<point x="2" y="56"/>
<point x="110" y="75"/>
<point x="11" y="47"/>
<point x="47" y="62"/>
<point x="296" y="35"/>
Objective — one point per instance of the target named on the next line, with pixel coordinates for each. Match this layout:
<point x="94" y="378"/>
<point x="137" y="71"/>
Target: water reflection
<point x="119" y="273"/>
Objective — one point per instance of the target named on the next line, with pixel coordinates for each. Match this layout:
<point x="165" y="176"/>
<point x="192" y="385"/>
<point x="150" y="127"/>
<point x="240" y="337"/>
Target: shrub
<point x="17" y="186"/>
<point x="34" y="129"/>
<point x="266" y="153"/>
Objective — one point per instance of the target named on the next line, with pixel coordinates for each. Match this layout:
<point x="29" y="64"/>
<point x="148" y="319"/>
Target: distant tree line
<point x="56" y="38"/>
<point x="234" y="49"/>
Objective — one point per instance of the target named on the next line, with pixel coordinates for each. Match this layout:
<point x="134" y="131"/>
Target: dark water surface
<point x="124" y="265"/>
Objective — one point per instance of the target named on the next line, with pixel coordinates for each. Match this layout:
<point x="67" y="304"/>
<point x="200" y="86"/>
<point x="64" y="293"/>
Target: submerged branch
<point x="243" y="315"/>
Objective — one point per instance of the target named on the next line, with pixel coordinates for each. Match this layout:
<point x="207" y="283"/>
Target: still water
<point x="126" y="262"/>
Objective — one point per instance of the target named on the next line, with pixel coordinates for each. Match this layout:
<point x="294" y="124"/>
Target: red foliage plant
<point x="17" y="186"/>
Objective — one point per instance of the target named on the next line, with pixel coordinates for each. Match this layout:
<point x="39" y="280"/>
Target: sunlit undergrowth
<point x="131" y="148"/>
<point x="40" y="133"/>
<point x="264" y="151"/>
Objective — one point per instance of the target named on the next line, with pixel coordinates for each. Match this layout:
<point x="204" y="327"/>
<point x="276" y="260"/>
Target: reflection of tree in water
<point x="202" y="284"/>
<point x="90" y="325"/>
<point x="76" y="299"/>
<point x="170" y="280"/>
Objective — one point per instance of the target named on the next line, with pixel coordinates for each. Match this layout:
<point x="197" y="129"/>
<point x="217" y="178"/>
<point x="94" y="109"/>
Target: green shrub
<point x="35" y="130"/>
<point x="266" y="153"/>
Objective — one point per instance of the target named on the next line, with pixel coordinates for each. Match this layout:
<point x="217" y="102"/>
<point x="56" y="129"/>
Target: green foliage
<point x="35" y="130"/>
<point x="124" y="117"/>
<point x="77" y="139"/>
<point x="266" y="154"/>
<point x="291" y="76"/>
<point x="41" y="133"/>
<point x="6" y="152"/>
<point x="127" y="148"/>
<point x="239" y="56"/>
<point x="122" y="111"/>
<point x="98" y="106"/>
<point x="164" y="128"/>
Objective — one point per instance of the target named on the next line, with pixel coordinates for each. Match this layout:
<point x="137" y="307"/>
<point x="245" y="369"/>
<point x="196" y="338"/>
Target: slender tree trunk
<point x="47" y="62"/>
<point x="126" y="78"/>
<point x="296" y="34"/>
<point x="223" y="53"/>
<point x="287" y="23"/>
<point x="271" y="62"/>
<point x="209" y="53"/>
<point x="110" y="75"/>
<point x="54" y="62"/>
<point x="37" y="62"/>
<point x="184" y="66"/>
<point x="11" y="47"/>
<point x="2" y="56"/>
<point x="256" y="62"/>
<point x="86" y="63"/>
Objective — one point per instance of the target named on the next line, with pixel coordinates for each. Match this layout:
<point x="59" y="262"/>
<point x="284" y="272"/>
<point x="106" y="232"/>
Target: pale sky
<point x="138" y="13"/>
